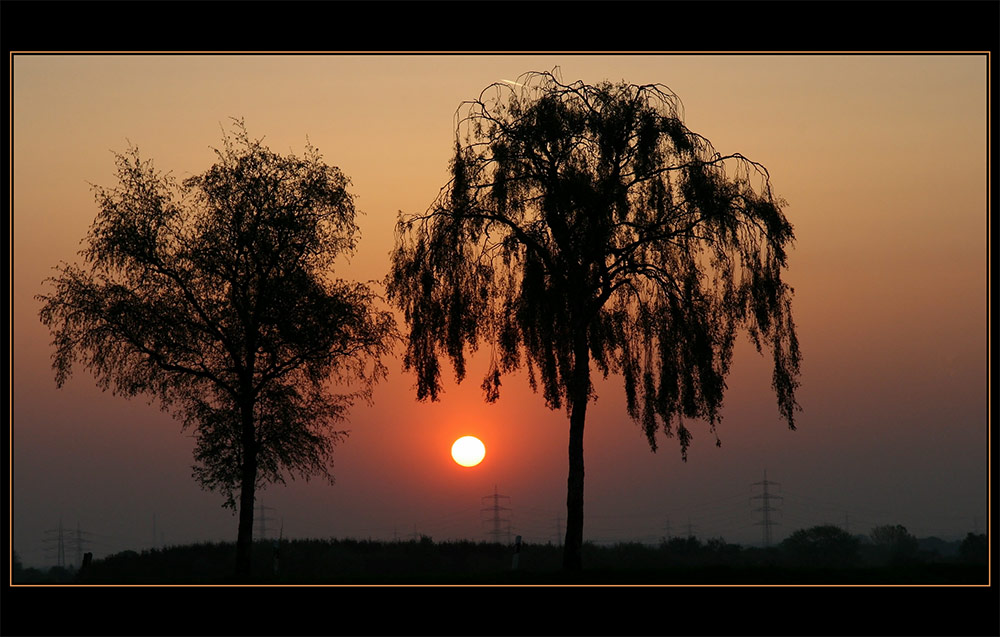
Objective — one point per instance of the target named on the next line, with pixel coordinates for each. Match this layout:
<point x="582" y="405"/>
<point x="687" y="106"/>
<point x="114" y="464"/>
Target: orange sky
<point x="883" y="160"/>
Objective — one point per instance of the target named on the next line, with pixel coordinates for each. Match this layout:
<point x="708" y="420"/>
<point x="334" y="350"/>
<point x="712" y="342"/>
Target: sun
<point x="468" y="451"/>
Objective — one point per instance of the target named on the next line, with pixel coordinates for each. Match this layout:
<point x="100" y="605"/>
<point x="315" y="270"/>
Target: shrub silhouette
<point x="824" y="546"/>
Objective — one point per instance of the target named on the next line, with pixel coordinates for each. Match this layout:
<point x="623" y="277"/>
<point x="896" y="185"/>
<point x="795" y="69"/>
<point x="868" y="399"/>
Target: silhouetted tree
<point x="216" y="296"/>
<point x="973" y="548"/>
<point x="894" y="542"/>
<point x="587" y="224"/>
<point x="682" y="545"/>
<point x="823" y="546"/>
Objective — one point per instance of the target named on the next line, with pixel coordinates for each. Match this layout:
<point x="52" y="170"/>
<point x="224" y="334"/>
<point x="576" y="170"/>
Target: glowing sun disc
<point x="468" y="451"/>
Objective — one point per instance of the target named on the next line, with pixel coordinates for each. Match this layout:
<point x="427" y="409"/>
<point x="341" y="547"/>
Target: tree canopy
<point x="217" y="297"/>
<point x="894" y="542"/>
<point x="823" y="546"/>
<point x="587" y="223"/>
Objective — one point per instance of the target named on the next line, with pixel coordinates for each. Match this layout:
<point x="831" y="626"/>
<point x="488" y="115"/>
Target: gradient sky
<point x="883" y="162"/>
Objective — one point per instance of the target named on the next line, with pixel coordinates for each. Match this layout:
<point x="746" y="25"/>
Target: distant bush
<point x="824" y="546"/>
<point x="893" y="544"/>
<point x="52" y="575"/>
<point x="973" y="549"/>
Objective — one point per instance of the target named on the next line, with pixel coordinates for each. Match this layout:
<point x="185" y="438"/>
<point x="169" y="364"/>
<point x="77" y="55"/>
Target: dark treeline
<point x="820" y="555"/>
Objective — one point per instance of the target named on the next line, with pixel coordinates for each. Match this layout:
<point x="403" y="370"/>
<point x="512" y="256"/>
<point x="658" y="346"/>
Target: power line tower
<point x="78" y="543"/>
<point x="55" y="542"/>
<point x="766" y="509"/>
<point x="500" y="524"/>
<point x="262" y="519"/>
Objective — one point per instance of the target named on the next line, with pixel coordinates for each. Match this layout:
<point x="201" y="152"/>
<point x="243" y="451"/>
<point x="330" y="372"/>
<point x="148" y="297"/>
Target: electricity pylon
<point x="262" y="519"/>
<point x="497" y="520"/>
<point x="766" y="497"/>
<point x="78" y="542"/>
<point x="56" y="536"/>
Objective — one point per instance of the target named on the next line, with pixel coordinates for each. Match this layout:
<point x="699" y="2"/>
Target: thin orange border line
<point x="989" y="354"/>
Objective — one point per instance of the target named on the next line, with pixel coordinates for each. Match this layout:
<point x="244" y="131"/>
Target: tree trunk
<point x="579" y="395"/>
<point x="244" y="540"/>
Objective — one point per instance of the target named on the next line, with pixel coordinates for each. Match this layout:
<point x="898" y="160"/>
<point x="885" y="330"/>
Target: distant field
<point x="351" y="562"/>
